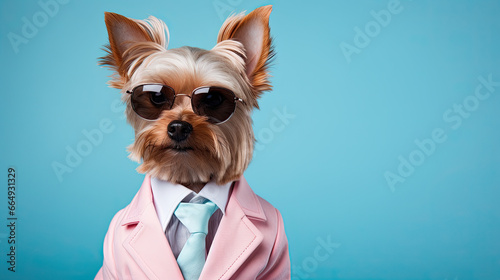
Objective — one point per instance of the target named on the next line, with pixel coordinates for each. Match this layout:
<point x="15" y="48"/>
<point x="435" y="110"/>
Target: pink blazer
<point x="250" y="242"/>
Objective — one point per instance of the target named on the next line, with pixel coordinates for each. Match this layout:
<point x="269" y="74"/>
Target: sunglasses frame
<point x="235" y="98"/>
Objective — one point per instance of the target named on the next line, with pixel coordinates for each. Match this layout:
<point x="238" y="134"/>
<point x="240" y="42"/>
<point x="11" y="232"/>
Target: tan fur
<point x="148" y="37"/>
<point x="235" y="28"/>
<point x="138" y="55"/>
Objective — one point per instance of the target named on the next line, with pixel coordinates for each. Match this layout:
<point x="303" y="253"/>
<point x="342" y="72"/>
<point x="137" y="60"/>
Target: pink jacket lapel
<point x="147" y="243"/>
<point x="236" y="236"/>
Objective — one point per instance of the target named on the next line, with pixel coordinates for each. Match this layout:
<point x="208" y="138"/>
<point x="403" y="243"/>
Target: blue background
<point x="351" y="119"/>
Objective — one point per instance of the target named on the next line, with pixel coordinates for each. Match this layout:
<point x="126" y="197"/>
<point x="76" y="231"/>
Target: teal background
<point x="324" y="167"/>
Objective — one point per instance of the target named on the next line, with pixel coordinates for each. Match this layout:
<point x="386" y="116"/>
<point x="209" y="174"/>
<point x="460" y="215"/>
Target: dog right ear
<point x="253" y="32"/>
<point x="130" y="41"/>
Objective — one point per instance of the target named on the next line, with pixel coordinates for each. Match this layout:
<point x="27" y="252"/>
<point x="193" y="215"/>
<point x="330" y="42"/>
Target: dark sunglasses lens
<point x="148" y="101"/>
<point x="214" y="102"/>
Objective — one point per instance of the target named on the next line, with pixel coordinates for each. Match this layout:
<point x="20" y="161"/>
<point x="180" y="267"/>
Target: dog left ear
<point x="254" y="33"/>
<point x="130" y="41"/>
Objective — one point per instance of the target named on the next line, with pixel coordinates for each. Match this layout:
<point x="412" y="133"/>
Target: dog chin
<point x="182" y="165"/>
<point x="179" y="149"/>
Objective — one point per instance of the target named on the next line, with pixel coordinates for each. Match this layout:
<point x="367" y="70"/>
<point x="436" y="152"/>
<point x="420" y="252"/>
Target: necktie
<point x="194" y="217"/>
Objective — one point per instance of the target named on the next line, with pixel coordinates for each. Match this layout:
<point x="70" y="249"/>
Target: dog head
<point x="190" y="108"/>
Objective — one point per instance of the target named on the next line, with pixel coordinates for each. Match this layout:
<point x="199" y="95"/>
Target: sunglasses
<point x="216" y="103"/>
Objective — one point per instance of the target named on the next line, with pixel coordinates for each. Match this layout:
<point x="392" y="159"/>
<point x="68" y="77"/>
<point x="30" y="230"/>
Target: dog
<point x="191" y="111"/>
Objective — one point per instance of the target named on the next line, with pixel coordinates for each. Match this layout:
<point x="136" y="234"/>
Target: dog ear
<point x="122" y="32"/>
<point x="253" y="32"/>
<point x="130" y="41"/>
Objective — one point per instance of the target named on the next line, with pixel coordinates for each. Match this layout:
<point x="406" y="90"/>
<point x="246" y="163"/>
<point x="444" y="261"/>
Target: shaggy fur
<point x="137" y="53"/>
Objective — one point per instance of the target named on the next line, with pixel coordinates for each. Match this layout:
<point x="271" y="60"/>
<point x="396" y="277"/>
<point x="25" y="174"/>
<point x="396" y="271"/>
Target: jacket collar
<point x="148" y="245"/>
<point x="247" y="200"/>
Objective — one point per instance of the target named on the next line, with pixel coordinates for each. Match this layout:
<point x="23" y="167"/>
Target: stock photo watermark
<point x="11" y="221"/>
<point x="323" y="251"/>
<point x="363" y="36"/>
<point x="224" y="8"/>
<point x="278" y="122"/>
<point x="453" y="117"/>
<point x="74" y="156"/>
<point x="92" y="138"/>
<point x="31" y="25"/>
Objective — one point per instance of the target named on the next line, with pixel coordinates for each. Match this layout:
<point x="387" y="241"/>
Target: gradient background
<point x="351" y="117"/>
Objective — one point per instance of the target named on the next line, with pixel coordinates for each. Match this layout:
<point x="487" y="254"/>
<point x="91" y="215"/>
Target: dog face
<point x="185" y="88"/>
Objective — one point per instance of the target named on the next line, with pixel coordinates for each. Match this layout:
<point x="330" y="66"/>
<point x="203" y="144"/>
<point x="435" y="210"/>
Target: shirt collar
<point x="167" y="196"/>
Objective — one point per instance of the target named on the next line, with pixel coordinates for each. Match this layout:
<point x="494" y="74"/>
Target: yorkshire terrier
<point x="191" y="112"/>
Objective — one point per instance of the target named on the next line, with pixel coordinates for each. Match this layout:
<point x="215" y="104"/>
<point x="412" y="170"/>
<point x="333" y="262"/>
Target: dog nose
<point x="179" y="130"/>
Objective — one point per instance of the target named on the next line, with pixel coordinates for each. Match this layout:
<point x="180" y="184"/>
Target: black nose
<point x="179" y="130"/>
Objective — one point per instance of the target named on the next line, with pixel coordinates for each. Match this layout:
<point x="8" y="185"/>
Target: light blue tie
<point x="194" y="217"/>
